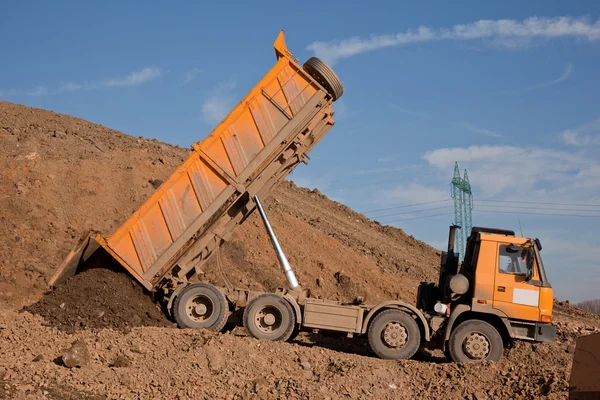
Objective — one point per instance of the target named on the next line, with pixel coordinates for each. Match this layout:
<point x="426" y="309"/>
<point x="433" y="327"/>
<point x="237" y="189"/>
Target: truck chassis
<point x="395" y="329"/>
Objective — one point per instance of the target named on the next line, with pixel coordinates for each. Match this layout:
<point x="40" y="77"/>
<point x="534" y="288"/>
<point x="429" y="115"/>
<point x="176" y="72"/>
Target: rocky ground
<point x="61" y="175"/>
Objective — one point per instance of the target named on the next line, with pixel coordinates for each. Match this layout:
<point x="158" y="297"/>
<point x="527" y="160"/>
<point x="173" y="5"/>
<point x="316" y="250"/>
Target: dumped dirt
<point x="99" y="298"/>
<point x="60" y="176"/>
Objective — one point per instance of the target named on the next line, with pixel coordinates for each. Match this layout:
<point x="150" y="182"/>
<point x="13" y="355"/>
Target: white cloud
<point x="531" y="27"/>
<point x="566" y="73"/>
<point x="583" y="136"/>
<point x="574" y="138"/>
<point x="215" y="108"/>
<point x="480" y="131"/>
<point x="134" y="78"/>
<point x="503" y="31"/>
<point x="227" y="85"/>
<point x="330" y="52"/>
<point x="569" y="68"/>
<point x="8" y="92"/>
<point x="190" y="75"/>
<point x="35" y="92"/>
<point x="524" y="172"/>
<point x="220" y="103"/>
<point x="72" y="86"/>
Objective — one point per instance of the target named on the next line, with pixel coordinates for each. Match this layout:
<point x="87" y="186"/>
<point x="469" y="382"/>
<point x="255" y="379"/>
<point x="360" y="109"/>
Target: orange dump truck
<point x="499" y="293"/>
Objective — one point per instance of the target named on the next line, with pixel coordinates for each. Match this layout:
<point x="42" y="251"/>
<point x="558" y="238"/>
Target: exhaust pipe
<point x="283" y="261"/>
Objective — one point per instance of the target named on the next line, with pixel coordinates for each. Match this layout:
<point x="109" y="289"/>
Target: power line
<point x="531" y="213"/>
<point x="537" y="202"/>
<point x="368" y="184"/>
<point x="410" y="212"/>
<point x="492" y="211"/>
<point x="404" y="206"/>
<point x="366" y="177"/>
<point x="365" y="174"/>
<point x="425" y="216"/>
<point x="543" y="208"/>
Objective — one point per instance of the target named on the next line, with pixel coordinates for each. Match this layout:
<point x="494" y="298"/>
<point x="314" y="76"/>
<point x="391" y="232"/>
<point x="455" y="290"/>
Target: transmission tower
<point x="463" y="207"/>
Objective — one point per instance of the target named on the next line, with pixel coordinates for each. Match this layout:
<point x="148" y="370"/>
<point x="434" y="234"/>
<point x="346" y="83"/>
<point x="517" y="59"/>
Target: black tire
<point x="447" y="351"/>
<point x="475" y="340"/>
<point x="395" y="335"/>
<point x="282" y="318"/>
<point x="294" y="334"/>
<point x="323" y="74"/>
<point x="201" y="306"/>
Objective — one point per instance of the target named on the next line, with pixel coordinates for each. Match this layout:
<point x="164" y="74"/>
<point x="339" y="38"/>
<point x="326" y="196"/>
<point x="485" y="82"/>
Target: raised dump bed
<point x="168" y="239"/>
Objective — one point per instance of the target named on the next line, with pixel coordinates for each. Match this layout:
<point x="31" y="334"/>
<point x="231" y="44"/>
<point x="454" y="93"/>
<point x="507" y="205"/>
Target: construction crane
<point x="463" y="209"/>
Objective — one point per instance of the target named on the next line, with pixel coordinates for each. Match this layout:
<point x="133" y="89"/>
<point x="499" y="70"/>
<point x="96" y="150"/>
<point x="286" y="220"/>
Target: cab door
<point x="514" y="294"/>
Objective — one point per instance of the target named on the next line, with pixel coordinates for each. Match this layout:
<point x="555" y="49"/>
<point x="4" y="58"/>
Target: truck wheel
<point x="447" y="352"/>
<point x="475" y="340"/>
<point x="323" y="74"/>
<point x="269" y="317"/>
<point x="393" y="334"/>
<point x="201" y="306"/>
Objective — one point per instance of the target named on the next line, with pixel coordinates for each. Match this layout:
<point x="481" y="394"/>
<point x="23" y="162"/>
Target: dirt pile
<point x="175" y="363"/>
<point x="60" y="176"/>
<point x="99" y="298"/>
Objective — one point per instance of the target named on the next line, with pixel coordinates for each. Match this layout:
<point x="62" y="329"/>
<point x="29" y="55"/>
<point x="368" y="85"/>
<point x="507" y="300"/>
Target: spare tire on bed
<point x="323" y="74"/>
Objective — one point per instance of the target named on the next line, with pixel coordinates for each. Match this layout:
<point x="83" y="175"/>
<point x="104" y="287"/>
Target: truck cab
<point x="510" y="276"/>
<point x="499" y="292"/>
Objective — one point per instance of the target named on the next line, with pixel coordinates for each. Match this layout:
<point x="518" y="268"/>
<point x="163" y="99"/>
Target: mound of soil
<point x="99" y="298"/>
<point x="181" y="363"/>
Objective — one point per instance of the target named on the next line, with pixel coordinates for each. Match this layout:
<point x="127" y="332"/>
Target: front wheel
<point x="475" y="340"/>
<point x="393" y="334"/>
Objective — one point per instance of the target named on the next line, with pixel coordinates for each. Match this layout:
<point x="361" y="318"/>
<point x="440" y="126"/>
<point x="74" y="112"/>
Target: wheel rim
<point x="394" y="335"/>
<point x="199" y="308"/>
<point x="476" y="346"/>
<point x="268" y="319"/>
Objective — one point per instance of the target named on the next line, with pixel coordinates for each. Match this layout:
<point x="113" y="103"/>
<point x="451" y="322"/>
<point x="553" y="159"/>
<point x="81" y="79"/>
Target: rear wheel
<point x="393" y="334"/>
<point x="201" y="306"/>
<point x="475" y="340"/>
<point x="323" y="74"/>
<point x="269" y="317"/>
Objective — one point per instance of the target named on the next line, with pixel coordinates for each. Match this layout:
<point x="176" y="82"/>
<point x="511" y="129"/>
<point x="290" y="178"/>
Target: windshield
<point x="513" y="259"/>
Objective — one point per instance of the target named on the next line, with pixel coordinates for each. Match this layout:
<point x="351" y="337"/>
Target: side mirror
<point x="529" y="258"/>
<point x="529" y="274"/>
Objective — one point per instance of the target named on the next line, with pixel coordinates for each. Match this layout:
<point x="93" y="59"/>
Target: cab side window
<point x="512" y="260"/>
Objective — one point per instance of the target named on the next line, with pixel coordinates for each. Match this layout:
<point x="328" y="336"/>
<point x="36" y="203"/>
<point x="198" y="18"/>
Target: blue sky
<point x="509" y="89"/>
